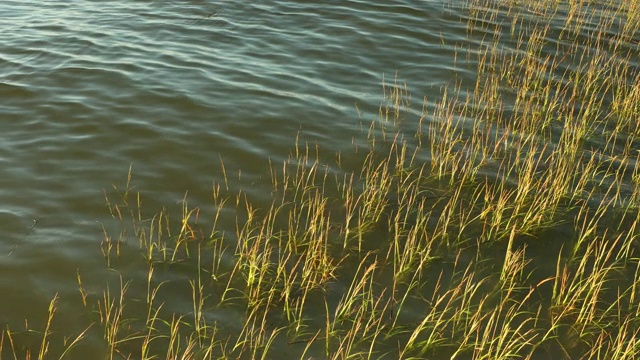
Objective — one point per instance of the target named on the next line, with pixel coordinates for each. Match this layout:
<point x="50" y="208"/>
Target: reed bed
<point x="501" y="223"/>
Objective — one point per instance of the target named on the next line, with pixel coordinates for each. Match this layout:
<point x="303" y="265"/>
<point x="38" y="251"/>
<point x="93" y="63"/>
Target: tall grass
<point x="501" y="223"/>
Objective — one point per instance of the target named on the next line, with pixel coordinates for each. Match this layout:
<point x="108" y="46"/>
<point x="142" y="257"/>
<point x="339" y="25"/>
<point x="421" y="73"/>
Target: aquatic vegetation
<point x="502" y="222"/>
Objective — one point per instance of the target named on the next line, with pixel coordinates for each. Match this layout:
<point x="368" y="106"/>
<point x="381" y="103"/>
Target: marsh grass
<point x="440" y="244"/>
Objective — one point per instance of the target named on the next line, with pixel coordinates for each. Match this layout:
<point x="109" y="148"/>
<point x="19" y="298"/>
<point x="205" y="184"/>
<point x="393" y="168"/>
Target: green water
<point x="190" y="94"/>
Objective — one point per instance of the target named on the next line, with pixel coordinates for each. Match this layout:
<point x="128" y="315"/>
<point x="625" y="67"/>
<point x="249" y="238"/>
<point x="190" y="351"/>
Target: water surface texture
<point x="88" y="88"/>
<point x="173" y="89"/>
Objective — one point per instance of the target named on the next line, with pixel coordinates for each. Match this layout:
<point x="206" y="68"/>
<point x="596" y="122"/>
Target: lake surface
<point x="174" y="90"/>
<point x="89" y="88"/>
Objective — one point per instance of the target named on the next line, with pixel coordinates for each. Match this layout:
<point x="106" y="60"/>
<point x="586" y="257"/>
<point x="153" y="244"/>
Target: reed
<point x="437" y="244"/>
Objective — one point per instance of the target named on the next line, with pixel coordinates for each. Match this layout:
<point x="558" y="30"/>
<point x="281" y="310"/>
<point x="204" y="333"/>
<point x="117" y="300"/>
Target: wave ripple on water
<point x="89" y="87"/>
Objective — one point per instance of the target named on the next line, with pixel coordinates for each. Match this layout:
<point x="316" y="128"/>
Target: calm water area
<point x="174" y="89"/>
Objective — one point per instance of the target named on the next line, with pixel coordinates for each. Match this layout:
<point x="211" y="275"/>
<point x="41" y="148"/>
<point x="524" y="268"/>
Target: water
<point x="88" y="88"/>
<point x="174" y="89"/>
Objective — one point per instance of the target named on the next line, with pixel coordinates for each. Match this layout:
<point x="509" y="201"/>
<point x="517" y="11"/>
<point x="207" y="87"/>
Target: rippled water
<point x="88" y="88"/>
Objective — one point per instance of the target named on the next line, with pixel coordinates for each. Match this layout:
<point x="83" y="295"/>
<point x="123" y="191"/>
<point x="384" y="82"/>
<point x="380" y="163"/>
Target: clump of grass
<point x="438" y="244"/>
<point x="19" y="343"/>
